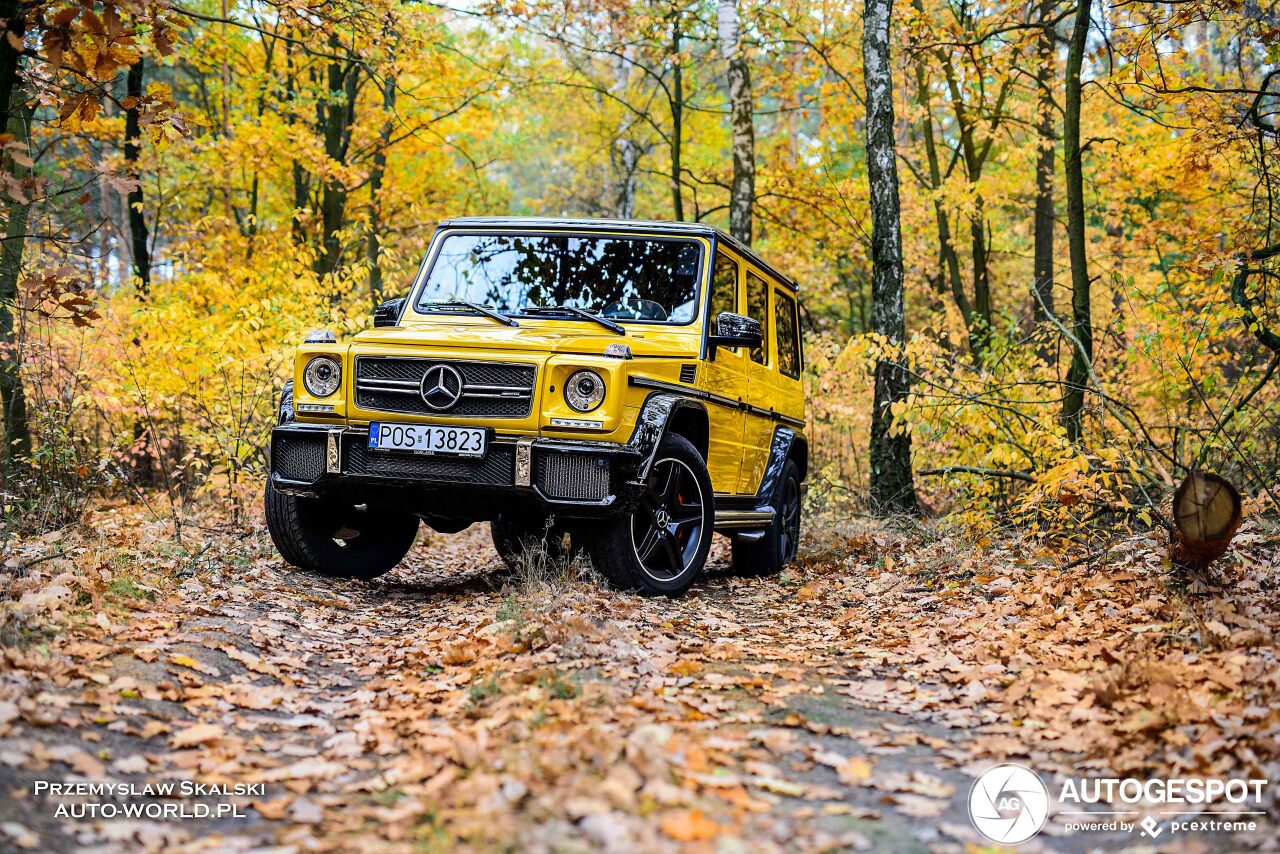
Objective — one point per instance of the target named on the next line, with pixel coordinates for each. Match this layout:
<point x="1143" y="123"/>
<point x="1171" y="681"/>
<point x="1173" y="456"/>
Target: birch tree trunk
<point x="892" y="484"/>
<point x="1082" y="321"/>
<point x="677" y="116"/>
<point x="742" y="190"/>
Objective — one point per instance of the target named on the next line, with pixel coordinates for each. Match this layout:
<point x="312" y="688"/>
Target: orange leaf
<point x="689" y="826"/>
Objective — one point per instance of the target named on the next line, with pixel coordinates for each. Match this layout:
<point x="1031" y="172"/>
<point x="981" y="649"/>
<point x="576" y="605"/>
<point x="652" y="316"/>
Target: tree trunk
<point x="132" y="142"/>
<point x="13" y="18"/>
<point x="892" y="485"/>
<point x="946" y="247"/>
<point x="339" y="113"/>
<point x="17" y="431"/>
<point x="677" y="117"/>
<point x="1042" y="284"/>
<point x="626" y="153"/>
<point x="979" y="321"/>
<point x="742" y="190"/>
<point x="1082" y="321"/>
<point x="375" y="190"/>
<point x="301" y="180"/>
<point x="1206" y="512"/>
<point x="981" y="252"/>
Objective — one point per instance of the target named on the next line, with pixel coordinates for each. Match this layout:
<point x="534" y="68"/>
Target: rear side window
<point x="787" y="325"/>
<point x="758" y="308"/>
<point x="724" y="286"/>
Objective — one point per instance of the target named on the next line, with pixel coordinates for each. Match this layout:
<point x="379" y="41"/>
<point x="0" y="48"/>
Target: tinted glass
<point x="622" y="278"/>
<point x="758" y="307"/>
<point x="785" y="322"/>
<point x="724" y="285"/>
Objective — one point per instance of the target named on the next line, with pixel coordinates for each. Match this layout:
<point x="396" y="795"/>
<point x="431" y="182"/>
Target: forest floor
<point x="844" y="705"/>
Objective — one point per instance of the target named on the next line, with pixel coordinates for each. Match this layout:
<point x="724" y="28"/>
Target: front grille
<point x="496" y="468"/>
<point x="489" y="390"/>
<point x="579" y="477"/>
<point x="298" y="457"/>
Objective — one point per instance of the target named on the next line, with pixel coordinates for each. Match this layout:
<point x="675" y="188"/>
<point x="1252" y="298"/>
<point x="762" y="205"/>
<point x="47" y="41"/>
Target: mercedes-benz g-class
<point x="626" y="386"/>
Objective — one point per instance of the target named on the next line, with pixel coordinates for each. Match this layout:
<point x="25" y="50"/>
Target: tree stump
<point x="1206" y="512"/>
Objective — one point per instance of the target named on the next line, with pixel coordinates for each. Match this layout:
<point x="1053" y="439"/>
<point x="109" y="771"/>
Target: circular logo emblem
<point x="662" y="517"/>
<point x="441" y="387"/>
<point x="1008" y="804"/>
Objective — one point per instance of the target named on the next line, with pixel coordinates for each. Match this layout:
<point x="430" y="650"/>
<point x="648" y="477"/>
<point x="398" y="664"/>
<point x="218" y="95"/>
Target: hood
<point x="550" y="336"/>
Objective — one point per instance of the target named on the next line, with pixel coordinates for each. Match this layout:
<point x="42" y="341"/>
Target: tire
<point x="638" y="551"/>
<point x="515" y="533"/>
<point x="768" y="556"/>
<point x="306" y="533"/>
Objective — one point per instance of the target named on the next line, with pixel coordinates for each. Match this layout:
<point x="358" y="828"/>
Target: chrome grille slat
<point x="387" y="385"/>
<point x="490" y="389"/>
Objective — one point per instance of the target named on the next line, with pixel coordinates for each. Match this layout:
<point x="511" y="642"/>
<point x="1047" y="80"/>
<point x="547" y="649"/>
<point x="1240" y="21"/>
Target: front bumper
<point x="568" y="477"/>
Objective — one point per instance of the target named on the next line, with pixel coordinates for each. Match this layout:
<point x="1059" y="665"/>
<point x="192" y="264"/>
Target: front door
<point x="727" y="377"/>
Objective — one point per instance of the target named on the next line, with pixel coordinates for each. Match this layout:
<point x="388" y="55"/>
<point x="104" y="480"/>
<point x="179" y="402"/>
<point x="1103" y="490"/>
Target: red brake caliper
<point x="680" y="502"/>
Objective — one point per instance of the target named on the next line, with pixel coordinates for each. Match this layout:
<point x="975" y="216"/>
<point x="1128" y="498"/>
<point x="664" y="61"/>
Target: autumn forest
<point x="1037" y="248"/>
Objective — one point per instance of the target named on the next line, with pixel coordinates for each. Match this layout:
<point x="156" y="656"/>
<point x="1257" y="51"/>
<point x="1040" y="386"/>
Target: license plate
<point x="427" y="439"/>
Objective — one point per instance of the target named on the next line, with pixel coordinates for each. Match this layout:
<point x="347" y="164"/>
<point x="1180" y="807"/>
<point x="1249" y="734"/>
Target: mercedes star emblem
<point x="441" y="387"/>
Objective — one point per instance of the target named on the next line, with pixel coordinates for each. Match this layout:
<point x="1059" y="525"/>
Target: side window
<point x="787" y="325"/>
<point x="724" y="286"/>
<point x="758" y="308"/>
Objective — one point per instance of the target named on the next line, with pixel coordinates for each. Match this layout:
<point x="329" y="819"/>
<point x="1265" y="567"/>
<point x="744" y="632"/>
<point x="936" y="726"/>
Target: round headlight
<point x="322" y="376"/>
<point x="584" y="391"/>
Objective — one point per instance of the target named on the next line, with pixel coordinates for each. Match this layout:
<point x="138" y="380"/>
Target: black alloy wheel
<point x="768" y="554"/>
<point x="667" y="531"/>
<point x="338" y="538"/>
<point x="660" y="547"/>
<point x="790" y="531"/>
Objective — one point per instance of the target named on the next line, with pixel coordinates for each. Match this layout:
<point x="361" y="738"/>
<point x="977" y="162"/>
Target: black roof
<point x="578" y="224"/>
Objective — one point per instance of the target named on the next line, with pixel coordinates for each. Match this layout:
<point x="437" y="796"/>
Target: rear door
<point x="789" y="354"/>
<point x="724" y="377"/>
<point x="761" y="368"/>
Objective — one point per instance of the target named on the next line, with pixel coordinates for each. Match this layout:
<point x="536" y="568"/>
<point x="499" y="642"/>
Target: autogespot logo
<point x="1008" y="804"/>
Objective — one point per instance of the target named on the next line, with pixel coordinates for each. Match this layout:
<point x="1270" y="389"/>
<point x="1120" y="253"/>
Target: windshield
<point x="648" y="279"/>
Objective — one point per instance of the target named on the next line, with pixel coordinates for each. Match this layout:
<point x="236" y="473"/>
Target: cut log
<point x="1206" y="511"/>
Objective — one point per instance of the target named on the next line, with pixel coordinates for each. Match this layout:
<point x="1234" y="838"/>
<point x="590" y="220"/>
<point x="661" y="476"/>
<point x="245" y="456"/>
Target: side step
<point x="738" y="520"/>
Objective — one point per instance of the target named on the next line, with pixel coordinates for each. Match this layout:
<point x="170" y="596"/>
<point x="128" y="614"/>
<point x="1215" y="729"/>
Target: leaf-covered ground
<point x="844" y="705"/>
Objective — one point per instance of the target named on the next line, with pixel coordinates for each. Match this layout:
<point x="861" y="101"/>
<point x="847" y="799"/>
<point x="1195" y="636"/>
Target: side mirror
<point x="733" y="331"/>
<point x="388" y="314"/>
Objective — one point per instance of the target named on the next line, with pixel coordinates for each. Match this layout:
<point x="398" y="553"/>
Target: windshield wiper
<point x="477" y="308"/>
<point x="603" y="321"/>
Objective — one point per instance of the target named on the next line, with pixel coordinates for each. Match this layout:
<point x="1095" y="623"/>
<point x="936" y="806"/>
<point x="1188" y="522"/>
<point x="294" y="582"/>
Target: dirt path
<point x="442" y="705"/>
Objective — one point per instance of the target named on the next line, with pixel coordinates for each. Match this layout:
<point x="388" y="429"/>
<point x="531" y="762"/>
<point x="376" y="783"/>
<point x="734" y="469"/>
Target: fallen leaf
<point x="689" y="826"/>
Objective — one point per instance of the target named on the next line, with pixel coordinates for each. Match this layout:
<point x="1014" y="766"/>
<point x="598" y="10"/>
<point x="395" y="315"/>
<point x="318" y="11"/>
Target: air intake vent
<point x="578" y="477"/>
<point x="688" y="373"/>
<point x="496" y="469"/>
<point x="298" y="457"/>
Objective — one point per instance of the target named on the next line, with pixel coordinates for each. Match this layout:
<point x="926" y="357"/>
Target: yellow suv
<point x="624" y="386"/>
